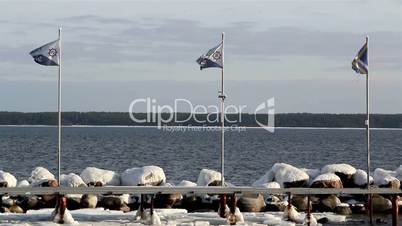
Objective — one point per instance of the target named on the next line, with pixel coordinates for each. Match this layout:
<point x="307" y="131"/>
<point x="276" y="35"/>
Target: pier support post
<point x="142" y="215"/>
<point x="61" y="207"/>
<point x="151" y="211"/>
<point x="395" y="210"/>
<point x="308" y="211"/>
<point x="370" y="208"/>
<point x="232" y="217"/>
<point x="222" y="205"/>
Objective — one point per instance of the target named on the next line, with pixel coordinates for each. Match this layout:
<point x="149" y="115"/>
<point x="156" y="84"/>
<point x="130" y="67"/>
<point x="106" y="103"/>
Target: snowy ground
<point x="177" y="217"/>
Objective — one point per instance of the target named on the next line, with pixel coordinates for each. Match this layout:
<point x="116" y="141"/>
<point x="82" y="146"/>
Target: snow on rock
<point x="291" y="214"/>
<point x="398" y="172"/>
<point x="360" y="178"/>
<point x="67" y="218"/>
<point x="106" y="177"/>
<point x="9" y="178"/>
<point x="327" y="177"/>
<point x="286" y="174"/>
<point x="339" y="168"/>
<point x="383" y="177"/>
<point x="327" y="180"/>
<point x="71" y="180"/>
<point x="312" y="173"/>
<point x="186" y="183"/>
<point x="266" y="178"/>
<point x="147" y="175"/>
<point x="313" y="220"/>
<point x="208" y="176"/>
<point x="40" y="174"/>
<point x="269" y="185"/>
<point x="23" y="183"/>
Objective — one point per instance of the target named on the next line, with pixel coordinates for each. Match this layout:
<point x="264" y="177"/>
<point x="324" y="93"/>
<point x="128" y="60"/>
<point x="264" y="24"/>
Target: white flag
<point x="48" y="54"/>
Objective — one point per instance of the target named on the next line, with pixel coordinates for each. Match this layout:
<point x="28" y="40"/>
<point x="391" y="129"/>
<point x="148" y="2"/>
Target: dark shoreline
<point x="297" y="120"/>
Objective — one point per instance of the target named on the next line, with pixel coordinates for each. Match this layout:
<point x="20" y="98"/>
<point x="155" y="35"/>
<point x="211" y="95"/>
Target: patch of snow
<point x="360" y="177"/>
<point x="40" y="174"/>
<point x="292" y="215"/>
<point x="186" y="183"/>
<point x="23" y="183"/>
<point x="343" y="204"/>
<point x="312" y="173"/>
<point x="398" y="173"/>
<point x="208" y="176"/>
<point x="71" y="180"/>
<point x="266" y="178"/>
<point x="339" y="168"/>
<point x="9" y="178"/>
<point x="67" y="218"/>
<point x="273" y="184"/>
<point x="327" y="177"/>
<point x="106" y="177"/>
<point x="288" y="173"/>
<point x="146" y="175"/>
<point x="383" y="177"/>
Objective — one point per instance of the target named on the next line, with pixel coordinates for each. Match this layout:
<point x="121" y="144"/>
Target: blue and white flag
<point x="213" y="58"/>
<point x="360" y="62"/>
<point x="48" y="54"/>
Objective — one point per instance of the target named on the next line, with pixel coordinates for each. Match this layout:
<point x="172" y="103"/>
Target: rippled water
<point x="249" y="154"/>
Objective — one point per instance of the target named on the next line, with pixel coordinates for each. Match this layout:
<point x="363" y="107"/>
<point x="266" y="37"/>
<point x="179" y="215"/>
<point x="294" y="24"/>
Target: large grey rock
<point x="328" y="180"/>
<point x="249" y="202"/>
<point x="329" y="203"/>
<point x="343" y="210"/>
<point x="300" y="202"/>
<point x="381" y="204"/>
<point x="89" y="201"/>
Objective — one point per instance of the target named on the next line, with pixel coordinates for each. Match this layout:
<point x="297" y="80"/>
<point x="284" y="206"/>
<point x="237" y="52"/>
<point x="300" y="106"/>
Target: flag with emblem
<point x="213" y="58"/>
<point x="48" y="54"/>
<point x="360" y="62"/>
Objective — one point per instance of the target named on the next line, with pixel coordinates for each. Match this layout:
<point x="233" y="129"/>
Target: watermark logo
<point x="199" y="117"/>
<point x="266" y="108"/>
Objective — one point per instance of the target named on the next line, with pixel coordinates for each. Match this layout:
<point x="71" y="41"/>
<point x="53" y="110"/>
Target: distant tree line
<point x="185" y="119"/>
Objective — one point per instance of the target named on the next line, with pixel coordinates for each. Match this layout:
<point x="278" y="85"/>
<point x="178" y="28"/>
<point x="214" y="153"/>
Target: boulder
<point x="386" y="179"/>
<point x="381" y="204"/>
<point x="360" y="179"/>
<point x="143" y="176"/>
<point x="289" y="176"/>
<point x="209" y="177"/>
<point x="329" y="203"/>
<point x="343" y="171"/>
<point x="16" y="209"/>
<point x="166" y="200"/>
<point x="94" y="175"/>
<point x="4" y="209"/>
<point x="300" y="202"/>
<point x="40" y="174"/>
<point x="266" y="178"/>
<point x="10" y="180"/>
<point x="250" y="202"/>
<point x="113" y="203"/>
<point x="71" y="180"/>
<point x="343" y="209"/>
<point x="328" y="180"/>
<point x="28" y="202"/>
<point x="23" y="183"/>
<point x="49" y="199"/>
<point x="89" y="201"/>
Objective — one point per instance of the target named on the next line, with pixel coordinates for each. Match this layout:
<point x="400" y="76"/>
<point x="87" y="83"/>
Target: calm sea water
<point x="249" y="154"/>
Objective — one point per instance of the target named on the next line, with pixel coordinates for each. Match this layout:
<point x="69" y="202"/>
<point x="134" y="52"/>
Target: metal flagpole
<point x="222" y="97"/>
<point x="59" y="113"/>
<point x="370" y="207"/>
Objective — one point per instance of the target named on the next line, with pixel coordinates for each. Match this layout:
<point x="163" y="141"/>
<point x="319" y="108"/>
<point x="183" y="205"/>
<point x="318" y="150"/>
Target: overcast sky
<point x="299" y="52"/>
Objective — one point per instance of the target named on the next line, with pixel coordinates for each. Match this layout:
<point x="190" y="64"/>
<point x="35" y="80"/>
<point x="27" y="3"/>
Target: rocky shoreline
<point x="280" y="175"/>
